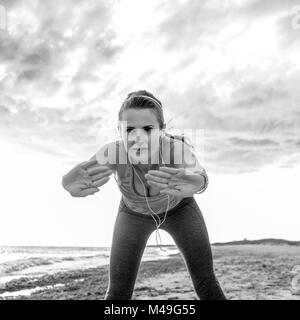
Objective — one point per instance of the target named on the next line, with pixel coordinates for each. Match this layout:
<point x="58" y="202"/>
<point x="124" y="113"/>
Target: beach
<point x="247" y="272"/>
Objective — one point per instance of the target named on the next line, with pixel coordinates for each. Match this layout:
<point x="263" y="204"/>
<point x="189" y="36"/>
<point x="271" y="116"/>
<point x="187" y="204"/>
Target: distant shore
<point x="247" y="272"/>
<point x="269" y="241"/>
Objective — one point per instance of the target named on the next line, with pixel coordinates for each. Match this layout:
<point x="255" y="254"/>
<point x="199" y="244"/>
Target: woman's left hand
<point x="172" y="181"/>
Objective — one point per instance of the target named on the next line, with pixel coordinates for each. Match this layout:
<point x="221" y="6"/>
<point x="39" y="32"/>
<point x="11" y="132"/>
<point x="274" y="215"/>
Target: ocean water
<point x="18" y="262"/>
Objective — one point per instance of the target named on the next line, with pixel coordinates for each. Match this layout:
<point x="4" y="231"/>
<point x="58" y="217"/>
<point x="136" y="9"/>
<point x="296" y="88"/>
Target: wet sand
<point x="247" y="272"/>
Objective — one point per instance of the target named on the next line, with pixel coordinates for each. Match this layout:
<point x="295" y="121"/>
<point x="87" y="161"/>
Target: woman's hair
<point x="143" y="99"/>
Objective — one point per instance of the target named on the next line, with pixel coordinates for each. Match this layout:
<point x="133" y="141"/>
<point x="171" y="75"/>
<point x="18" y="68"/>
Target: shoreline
<point x="248" y="272"/>
<point x="88" y="283"/>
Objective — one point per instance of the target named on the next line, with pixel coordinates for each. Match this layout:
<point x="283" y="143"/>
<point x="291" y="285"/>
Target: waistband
<point x="180" y="204"/>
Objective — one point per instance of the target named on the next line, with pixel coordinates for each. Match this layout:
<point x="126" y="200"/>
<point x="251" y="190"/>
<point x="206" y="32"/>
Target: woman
<point x="157" y="192"/>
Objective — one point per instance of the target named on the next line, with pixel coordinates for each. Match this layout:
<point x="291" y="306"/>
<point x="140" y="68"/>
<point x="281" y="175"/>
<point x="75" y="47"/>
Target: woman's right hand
<point x="86" y="178"/>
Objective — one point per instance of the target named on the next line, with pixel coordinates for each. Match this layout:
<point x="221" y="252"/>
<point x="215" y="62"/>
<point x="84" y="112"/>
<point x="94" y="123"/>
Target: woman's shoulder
<point x="177" y="151"/>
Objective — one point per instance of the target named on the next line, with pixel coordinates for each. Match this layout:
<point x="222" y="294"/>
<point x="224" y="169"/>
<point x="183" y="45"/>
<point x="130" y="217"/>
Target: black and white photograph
<point x="150" y="150"/>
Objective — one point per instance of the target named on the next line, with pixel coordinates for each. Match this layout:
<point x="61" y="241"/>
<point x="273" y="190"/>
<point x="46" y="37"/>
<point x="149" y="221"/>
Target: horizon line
<point x="153" y="245"/>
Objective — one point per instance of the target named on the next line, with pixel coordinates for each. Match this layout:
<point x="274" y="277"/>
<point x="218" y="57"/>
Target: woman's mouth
<point x="138" y="151"/>
<point x="139" y="148"/>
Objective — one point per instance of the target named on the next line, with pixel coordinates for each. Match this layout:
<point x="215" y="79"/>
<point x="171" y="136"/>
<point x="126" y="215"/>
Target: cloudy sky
<point x="227" y="67"/>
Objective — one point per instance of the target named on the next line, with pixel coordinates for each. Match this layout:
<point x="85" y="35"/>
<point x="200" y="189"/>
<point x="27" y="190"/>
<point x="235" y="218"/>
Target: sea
<point x="31" y="262"/>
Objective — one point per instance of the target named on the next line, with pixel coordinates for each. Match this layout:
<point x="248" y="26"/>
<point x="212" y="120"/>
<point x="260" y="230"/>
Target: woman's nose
<point x="138" y="136"/>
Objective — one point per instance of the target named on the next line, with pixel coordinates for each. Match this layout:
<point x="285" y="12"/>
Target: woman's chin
<point x="140" y="159"/>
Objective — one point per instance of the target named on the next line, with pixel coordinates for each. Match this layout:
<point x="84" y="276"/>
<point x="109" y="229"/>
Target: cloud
<point x="46" y="39"/>
<point x="253" y="142"/>
<point x="4" y="111"/>
<point x="261" y="9"/>
<point x="247" y="130"/>
<point x="239" y="161"/>
<point x="185" y="23"/>
<point x="258" y="94"/>
<point x="190" y="22"/>
<point x="29" y="75"/>
<point x="48" y="130"/>
<point x="240" y="155"/>
<point x="228" y="67"/>
<point x="288" y="36"/>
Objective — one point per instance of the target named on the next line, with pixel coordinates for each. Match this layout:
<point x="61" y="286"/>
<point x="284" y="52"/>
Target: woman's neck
<point x="145" y="167"/>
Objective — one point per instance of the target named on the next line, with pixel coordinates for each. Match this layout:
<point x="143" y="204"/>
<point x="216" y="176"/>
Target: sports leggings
<point x="186" y="225"/>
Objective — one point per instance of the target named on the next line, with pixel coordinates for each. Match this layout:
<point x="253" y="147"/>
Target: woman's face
<point x="140" y="133"/>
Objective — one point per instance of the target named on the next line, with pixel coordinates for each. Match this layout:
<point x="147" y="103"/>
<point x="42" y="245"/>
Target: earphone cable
<point x="160" y="223"/>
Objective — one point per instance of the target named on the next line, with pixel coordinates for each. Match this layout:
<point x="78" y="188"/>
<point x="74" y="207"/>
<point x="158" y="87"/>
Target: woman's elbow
<point x="204" y="183"/>
<point x="63" y="182"/>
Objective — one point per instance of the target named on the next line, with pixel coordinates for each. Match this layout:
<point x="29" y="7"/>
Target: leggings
<point x="186" y="225"/>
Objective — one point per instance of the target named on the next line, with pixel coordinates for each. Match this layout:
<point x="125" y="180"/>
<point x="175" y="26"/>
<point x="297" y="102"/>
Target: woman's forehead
<point x="139" y="118"/>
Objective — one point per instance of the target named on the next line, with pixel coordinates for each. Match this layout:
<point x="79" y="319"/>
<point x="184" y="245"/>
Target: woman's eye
<point x="146" y="129"/>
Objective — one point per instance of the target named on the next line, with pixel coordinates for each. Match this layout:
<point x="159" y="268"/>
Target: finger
<point x="87" y="164"/>
<point x="85" y="175"/>
<point x="96" y="170"/>
<point x="156" y="179"/>
<point x="173" y="182"/>
<point x="170" y="170"/>
<point x="76" y="189"/>
<point x="157" y="184"/>
<point x="100" y="182"/>
<point x="180" y="173"/>
<point x="179" y="187"/>
<point x="82" y="183"/>
<point x="159" y="173"/>
<point x="177" y="172"/>
<point x="101" y="175"/>
<point x="88" y="191"/>
<point x="171" y="192"/>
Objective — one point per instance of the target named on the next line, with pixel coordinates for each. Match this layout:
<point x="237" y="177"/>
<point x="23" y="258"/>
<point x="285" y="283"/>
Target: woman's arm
<point x="81" y="182"/>
<point x="192" y="171"/>
<point x="186" y="178"/>
<point x="107" y="155"/>
<point x="86" y="178"/>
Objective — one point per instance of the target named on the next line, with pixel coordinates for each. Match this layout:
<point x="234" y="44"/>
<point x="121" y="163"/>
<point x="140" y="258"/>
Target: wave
<point x="13" y="266"/>
<point x="30" y="261"/>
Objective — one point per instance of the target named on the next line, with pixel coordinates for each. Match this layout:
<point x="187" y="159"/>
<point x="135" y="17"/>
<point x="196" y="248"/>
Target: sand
<point x="247" y="272"/>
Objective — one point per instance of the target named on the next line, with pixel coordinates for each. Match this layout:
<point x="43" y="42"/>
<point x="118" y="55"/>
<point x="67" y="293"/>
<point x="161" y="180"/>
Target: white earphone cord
<point x="160" y="223"/>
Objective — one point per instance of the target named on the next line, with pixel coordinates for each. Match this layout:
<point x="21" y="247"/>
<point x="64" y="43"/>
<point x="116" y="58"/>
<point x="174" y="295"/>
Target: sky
<point x="230" y="68"/>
